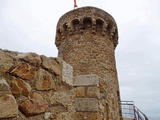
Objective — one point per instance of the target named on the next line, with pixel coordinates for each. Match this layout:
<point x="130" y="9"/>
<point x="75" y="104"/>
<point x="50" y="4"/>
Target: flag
<point x="75" y="4"/>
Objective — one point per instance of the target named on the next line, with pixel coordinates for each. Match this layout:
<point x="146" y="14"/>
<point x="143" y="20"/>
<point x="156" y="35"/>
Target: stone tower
<point x="86" y="39"/>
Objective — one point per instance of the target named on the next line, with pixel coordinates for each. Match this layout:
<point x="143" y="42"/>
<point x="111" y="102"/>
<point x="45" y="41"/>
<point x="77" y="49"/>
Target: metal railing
<point x="129" y="110"/>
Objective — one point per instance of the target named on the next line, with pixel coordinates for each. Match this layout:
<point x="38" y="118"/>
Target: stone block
<point x="67" y="73"/>
<point x="87" y="116"/>
<point x="20" y="87"/>
<point x="24" y="71"/>
<point x="6" y="62"/>
<point x="8" y="106"/>
<point x="34" y="106"/>
<point x="44" y="80"/>
<point x="65" y="116"/>
<point x="93" y="92"/>
<point x="4" y="87"/>
<point x="52" y="64"/>
<point x="86" y="80"/>
<point x="86" y="104"/>
<point x="64" y="98"/>
<point x="56" y="110"/>
<point x="80" y="91"/>
<point x="32" y="58"/>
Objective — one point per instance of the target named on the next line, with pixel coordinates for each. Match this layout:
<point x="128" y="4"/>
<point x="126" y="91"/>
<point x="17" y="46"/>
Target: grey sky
<point x="29" y="26"/>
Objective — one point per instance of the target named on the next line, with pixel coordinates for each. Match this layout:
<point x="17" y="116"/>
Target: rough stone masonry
<point x="86" y="39"/>
<point x="80" y="84"/>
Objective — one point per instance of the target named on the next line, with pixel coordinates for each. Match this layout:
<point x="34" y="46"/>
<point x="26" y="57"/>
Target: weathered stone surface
<point x="86" y="39"/>
<point x="44" y="80"/>
<point x="87" y="116"/>
<point x="93" y="92"/>
<point x="80" y="92"/>
<point x="4" y="87"/>
<point x="64" y="98"/>
<point x="20" y="87"/>
<point x="6" y="62"/>
<point x="47" y="115"/>
<point x="8" y="106"/>
<point x="86" y="104"/>
<point x="65" y="116"/>
<point x="57" y="110"/>
<point x="34" y="106"/>
<point x="67" y="73"/>
<point x="86" y="80"/>
<point x="24" y="70"/>
<point x="52" y="64"/>
<point x="32" y="58"/>
<point x="94" y="116"/>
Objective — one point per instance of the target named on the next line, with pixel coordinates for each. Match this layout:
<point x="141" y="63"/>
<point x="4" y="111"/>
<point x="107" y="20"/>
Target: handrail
<point x="141" y="114"/>
<point x="128" y="108"/>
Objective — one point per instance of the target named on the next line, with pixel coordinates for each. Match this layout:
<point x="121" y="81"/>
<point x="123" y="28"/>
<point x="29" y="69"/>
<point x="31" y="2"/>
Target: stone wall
<point x="35" y="87"/>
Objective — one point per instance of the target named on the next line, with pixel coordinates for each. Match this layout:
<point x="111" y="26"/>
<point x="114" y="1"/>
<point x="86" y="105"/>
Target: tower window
<point x="87" y="22"/>
<point x="99" y="24"/>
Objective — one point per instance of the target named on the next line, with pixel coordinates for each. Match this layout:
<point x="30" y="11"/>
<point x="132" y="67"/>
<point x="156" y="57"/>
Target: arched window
<point x="87" y="22"/>
<point x="75" y="24"/>
<point x="99" y="24"/>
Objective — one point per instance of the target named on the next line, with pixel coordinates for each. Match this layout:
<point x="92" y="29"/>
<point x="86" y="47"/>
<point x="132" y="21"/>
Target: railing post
<point x="135" y="117"/>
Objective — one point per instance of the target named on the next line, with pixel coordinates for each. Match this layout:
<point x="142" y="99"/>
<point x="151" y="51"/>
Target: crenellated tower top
<point x="86" y="39"/>
<point x="87" y="19"/>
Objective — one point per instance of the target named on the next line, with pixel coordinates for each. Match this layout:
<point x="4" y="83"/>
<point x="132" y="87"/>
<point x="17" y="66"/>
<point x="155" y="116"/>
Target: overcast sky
<point x="30" y="25"/>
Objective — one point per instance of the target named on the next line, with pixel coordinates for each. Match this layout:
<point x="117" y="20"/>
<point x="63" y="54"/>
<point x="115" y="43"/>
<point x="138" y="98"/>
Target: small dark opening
<point x="109" y="27"/>
<point x="87" y="22"/>
<point x="65" y="26"/>
<point x="99" y="24"/>
<point x="75" y="24"/>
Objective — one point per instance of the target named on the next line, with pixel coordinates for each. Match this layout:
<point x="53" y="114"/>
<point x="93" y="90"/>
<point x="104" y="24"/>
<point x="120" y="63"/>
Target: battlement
<point x="87" y="19"/>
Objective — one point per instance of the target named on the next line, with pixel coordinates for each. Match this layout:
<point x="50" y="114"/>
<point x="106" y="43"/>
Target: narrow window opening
<point x="75" y="24"/>
<point x="65" y="26"/>
<point x="99" y="24"/>
<point x="87" y="23"/>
